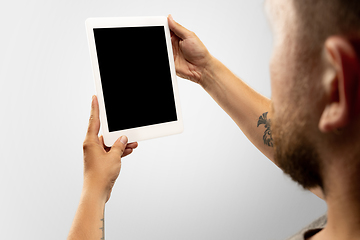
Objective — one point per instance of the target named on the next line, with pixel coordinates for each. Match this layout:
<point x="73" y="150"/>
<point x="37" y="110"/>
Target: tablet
<point x="135" y="79"/>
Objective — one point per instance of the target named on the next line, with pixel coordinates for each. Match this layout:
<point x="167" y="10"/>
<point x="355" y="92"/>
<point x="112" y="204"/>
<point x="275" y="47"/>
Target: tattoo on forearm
<point x="268" y="140"/>
<point x="102" y="228"/>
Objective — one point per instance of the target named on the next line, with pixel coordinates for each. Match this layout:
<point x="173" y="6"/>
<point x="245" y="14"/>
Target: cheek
<point x="280" y="76"/>
<point x="276" y="80"/>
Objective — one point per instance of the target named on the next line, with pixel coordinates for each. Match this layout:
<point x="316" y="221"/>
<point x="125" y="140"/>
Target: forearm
<point x="89" y="218"/>
<point x="243" y="104"/>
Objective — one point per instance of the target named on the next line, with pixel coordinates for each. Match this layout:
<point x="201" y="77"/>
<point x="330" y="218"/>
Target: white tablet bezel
<point x="139" y="133"/>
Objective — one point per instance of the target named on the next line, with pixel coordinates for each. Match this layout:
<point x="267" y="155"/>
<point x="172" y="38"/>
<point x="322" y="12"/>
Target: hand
<point x="102" y="164"/>
<point x="190" y="54"/>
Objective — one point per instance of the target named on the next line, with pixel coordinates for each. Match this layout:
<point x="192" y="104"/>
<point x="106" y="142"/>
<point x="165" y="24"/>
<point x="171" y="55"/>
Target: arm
<point x="101" y="169"/>
<point x="89" y="218"/>
<point x="242" y="103"/>
<point x="249" y="109"/>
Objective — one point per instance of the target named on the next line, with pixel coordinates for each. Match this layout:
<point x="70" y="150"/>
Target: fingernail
<point x="124" y="140"/>
<point x="171" y="17"/>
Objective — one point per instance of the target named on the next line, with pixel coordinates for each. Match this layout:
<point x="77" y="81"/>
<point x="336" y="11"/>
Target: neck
<point x="343" y="200"/>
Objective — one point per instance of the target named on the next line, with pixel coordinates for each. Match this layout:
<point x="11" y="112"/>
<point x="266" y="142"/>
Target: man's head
<point x="315" y="74"/>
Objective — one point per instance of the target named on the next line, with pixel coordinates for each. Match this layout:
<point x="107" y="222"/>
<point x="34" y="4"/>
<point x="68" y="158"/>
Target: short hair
<point x="316" y="20"/>
<point x="319" y="19"/>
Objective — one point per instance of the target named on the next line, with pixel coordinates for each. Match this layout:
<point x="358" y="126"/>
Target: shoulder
<point x="310" y="230"/>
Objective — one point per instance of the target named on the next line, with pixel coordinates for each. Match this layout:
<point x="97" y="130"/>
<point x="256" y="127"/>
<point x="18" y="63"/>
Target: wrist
<point x="94" y="190"/>
<point x="209" y="73"/>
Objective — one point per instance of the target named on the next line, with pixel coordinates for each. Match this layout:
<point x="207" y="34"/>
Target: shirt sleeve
<point x="310" y="230"/>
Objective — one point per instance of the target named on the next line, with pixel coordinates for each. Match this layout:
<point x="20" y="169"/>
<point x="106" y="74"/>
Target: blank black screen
<point x="135" y="76"/>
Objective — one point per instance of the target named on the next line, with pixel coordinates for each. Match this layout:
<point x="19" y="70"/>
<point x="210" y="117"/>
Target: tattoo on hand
<point x="268" y="140"/>
<point x="102" y="228"/>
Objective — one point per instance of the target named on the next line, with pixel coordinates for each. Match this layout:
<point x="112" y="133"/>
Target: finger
<point x="119" y="146"/>
<point x="127" y="152"/>
<point x="179" y="30"/>
<point x="101" y="140"/>
<point x="94" y="121"/>
<point x="132" y="145"/>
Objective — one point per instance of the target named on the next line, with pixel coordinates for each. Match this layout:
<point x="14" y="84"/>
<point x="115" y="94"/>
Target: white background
<point x="209" y="182"/>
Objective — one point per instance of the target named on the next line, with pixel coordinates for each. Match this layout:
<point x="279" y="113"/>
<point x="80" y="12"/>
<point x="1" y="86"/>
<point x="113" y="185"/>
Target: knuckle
<point x="122" y="150"/>
<point x="87" y="145"/>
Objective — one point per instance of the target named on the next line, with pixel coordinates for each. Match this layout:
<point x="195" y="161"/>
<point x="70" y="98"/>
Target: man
<point x="313" y="134"/>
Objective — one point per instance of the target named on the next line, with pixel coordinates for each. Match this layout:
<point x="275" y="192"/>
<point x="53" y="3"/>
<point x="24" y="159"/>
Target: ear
<point x="343" y="87"/>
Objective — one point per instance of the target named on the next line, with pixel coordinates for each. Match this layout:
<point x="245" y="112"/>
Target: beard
<point x="295" y="153"/>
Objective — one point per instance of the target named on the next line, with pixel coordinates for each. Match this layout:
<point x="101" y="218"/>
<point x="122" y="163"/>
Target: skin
<point x="333" y="109"/>
<point x="199" y="66"/>
<point x="101" y="169"/>
<point x="335" y="89"/>
<point x="341" y="156"/>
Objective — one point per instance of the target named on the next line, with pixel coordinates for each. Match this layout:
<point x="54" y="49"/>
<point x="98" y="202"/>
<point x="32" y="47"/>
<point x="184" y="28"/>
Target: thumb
<point x="119" y="146"/>
<point x="179" y="30"/>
